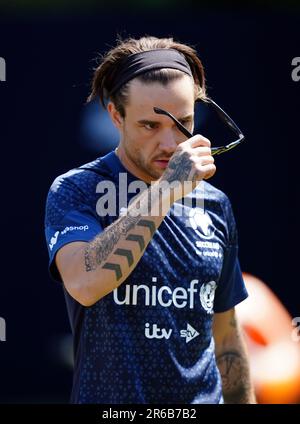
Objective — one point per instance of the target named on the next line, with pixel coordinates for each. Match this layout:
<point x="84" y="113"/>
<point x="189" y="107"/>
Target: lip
<point x="162" y="163"/>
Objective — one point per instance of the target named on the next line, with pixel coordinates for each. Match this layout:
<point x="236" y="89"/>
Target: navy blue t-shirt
<point x="150" y="340"/>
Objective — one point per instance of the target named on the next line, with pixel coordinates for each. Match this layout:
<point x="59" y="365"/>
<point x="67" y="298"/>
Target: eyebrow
<point x="150" y="121"/>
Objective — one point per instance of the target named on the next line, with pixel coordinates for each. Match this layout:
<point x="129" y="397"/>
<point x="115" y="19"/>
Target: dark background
<point x="247" y="54"/>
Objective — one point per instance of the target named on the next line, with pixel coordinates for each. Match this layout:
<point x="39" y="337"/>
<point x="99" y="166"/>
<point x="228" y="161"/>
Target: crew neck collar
<point x="112" y="160"/>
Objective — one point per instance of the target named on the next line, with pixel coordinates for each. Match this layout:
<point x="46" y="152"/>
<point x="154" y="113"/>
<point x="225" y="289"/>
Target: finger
<point x="200" y="171"/>
<point x="197" y="140"/>
<point x="201" y="151"/>
<point x="210" y="171"/>
<point x="202" y="160"/>
<point x="205" y="171"/>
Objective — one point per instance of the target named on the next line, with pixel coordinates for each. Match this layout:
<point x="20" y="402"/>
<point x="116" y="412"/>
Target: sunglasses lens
<point x="209" y="123"/>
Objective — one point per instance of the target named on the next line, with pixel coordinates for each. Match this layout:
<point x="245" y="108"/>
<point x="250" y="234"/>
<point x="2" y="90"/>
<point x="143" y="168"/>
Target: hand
<point x="191" y="162"/>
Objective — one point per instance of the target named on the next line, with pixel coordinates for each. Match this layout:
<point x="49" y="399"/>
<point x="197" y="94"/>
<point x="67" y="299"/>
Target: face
<point x="148" y="140"/>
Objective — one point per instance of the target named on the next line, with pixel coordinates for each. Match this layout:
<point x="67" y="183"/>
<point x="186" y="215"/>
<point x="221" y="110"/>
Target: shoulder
<point x="80" y="178"/>
<point x="75" y="189"/>
<point x="80" y="182"/>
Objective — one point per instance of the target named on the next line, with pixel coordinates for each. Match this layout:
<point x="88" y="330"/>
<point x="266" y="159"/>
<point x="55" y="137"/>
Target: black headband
<point x="138" y="63"/>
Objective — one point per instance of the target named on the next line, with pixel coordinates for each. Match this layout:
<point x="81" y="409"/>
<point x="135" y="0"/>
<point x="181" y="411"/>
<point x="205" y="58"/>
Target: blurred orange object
<point x="274" y="355"/>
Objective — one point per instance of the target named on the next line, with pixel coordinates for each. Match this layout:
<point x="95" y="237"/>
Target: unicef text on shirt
<point x="179" y="297"/>
<point x="114" y="195"/>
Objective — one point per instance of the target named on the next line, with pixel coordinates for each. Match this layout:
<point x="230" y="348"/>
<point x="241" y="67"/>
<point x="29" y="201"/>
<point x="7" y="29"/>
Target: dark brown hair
<point x="104" y="72"/>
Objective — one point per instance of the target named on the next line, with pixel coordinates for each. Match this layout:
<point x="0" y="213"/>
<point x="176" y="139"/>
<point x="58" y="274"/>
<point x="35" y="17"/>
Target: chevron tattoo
<point x="97" y="251"/>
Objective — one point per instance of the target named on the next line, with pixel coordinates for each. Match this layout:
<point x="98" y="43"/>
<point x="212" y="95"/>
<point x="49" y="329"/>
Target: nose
<point x="167" y="142"/>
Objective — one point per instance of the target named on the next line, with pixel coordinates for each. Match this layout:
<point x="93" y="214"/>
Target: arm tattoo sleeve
<point x="97" y="252"/>
<point x="102" y="246"/>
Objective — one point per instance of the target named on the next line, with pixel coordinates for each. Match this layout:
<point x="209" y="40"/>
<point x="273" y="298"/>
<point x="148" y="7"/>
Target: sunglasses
<point x="225" y="118"/>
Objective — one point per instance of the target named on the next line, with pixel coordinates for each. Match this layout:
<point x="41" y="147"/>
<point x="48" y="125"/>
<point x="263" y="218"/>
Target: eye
<point x="150" y="126"/>
<point x="185" y="123"/>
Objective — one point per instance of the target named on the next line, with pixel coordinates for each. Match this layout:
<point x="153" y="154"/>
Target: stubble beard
<point x="139" y="162"/>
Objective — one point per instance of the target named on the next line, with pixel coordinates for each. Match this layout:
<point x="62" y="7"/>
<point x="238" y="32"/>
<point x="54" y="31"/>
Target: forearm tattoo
<point x="235" y="377"/>
<point x="234" y="370"/>
<point x="97" y="251"/>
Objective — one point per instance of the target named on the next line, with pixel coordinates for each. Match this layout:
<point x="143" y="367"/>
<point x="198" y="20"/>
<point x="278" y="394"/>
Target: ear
<point x="115" y="115"/>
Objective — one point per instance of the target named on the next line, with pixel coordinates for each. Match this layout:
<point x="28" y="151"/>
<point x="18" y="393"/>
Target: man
<point x="151" y="286"/>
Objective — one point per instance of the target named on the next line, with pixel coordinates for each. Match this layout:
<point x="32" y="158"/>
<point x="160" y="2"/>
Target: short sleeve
<point x="69" y="217"/>
<point x="231" y="288"/>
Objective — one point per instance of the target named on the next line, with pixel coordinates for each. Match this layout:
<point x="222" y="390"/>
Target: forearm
<point x="105" y="262"/>
<point x="233" y="364"/>
<point x="235" y="375"/>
